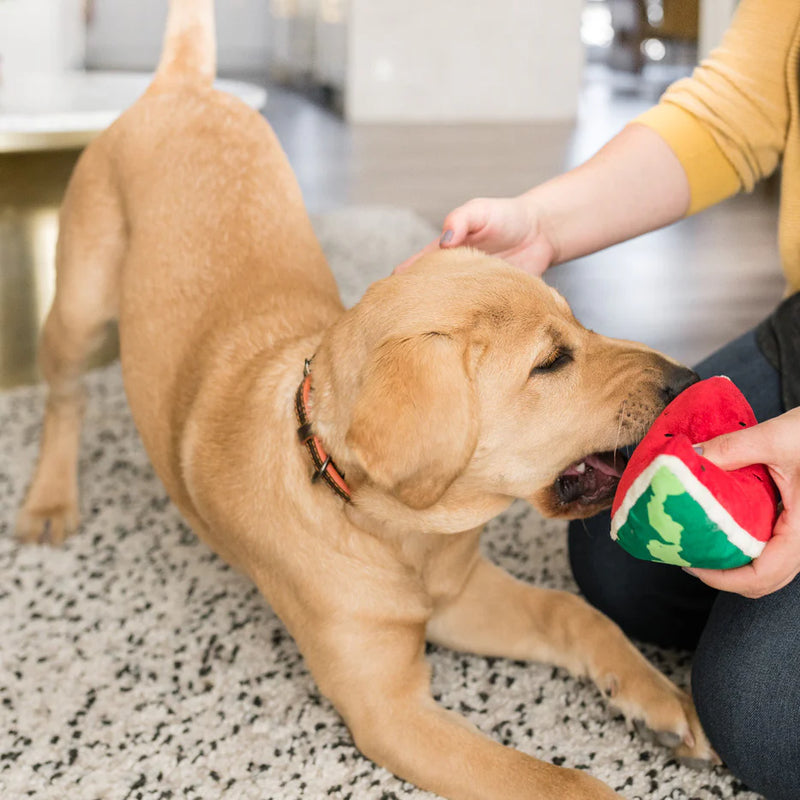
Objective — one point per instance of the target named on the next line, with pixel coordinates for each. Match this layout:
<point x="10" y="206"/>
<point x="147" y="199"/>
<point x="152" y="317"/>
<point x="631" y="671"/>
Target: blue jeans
<point x="746" y="669"/>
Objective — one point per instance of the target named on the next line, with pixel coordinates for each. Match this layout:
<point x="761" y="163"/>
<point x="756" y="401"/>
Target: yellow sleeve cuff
<point x="711" y="175"/>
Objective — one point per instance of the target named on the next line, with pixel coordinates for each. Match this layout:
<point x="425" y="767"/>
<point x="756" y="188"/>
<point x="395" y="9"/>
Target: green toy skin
<point x="669" y="525"/>
<point x="675" y="507"/>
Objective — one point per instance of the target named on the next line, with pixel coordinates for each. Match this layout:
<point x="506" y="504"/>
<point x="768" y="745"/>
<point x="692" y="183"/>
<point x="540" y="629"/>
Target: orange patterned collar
<point x="324" y="466"/>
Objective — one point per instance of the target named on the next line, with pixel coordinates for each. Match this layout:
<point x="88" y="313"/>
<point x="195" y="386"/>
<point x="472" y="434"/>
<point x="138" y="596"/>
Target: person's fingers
<point x="740" y="448"/>
<point x="775" y="442"/>
<point x="777" y="566"/>
<point x="429" y="248"/>
<point x="462" y="223"/>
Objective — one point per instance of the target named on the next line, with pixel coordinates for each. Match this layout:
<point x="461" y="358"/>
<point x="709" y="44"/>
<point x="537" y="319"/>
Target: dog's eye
<point x="556" y="360"/>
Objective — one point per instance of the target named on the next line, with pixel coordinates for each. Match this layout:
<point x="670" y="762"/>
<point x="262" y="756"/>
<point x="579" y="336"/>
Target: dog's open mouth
<point x="591" y="480"/>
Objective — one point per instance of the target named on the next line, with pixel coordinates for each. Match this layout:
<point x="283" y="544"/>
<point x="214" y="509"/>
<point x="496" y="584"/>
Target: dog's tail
<point x="190" y="51"/>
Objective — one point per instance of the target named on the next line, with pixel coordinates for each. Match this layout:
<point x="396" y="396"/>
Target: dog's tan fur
<point x="185" y="221"/>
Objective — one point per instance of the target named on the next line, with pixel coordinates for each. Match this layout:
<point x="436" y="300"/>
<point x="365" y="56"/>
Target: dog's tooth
<point x="581" y="468"/>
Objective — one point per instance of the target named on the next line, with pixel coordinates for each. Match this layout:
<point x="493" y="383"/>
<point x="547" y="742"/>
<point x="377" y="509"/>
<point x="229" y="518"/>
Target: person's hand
<point x="775" y="443"/>
<point x="509" y="228"/>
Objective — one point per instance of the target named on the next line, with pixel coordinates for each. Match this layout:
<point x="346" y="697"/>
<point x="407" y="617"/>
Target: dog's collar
<point x="324" y="466"/>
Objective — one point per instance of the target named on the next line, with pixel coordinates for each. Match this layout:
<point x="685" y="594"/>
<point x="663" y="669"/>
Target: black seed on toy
<point x="743" y="424"/>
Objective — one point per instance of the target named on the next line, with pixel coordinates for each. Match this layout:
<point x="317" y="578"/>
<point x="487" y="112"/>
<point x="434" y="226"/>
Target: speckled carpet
<point x="135" y="664"/>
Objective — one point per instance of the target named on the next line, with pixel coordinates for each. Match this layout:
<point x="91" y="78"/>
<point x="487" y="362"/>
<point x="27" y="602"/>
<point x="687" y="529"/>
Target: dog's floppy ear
<point x="414" y="424"/>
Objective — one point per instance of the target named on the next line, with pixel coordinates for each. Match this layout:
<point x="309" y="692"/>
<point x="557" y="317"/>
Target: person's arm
<point x="726" y="127"/>
<point x="729" y="122"/>
<point x="632" y="185"/>
<point x="712" y="135"/>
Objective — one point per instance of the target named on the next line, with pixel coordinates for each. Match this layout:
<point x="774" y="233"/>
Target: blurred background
<point x="421" y="104"/>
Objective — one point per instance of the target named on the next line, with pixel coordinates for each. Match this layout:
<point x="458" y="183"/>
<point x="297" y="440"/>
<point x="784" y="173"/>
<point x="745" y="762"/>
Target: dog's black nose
<point x="676" y="380"/>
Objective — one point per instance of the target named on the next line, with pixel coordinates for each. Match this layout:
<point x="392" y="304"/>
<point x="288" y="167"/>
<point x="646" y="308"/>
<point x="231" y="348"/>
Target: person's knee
<point x="744" y="719"/>
<point x="716" y="694"/>
<point x="607" y="586"/>
<point x="588" y="563"/>
<point x="650" y="602"/>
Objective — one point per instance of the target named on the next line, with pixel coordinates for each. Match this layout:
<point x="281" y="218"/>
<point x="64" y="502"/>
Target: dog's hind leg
<point x="90" y="249"/>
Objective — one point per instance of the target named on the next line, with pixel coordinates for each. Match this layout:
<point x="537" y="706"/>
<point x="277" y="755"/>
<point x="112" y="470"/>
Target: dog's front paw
<point x="660" y="712"/>
<point x="43" y="522"/>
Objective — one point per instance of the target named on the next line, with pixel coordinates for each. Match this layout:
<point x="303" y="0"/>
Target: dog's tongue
<point x="607" y="463"/>
<point x="592" y="479"/>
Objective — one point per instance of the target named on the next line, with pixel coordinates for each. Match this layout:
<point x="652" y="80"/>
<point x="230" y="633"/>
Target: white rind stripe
<point x="717" y="513"/>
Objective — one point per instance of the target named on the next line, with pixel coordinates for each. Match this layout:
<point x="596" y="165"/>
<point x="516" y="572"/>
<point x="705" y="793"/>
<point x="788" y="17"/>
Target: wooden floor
<point x="686" y="289"/>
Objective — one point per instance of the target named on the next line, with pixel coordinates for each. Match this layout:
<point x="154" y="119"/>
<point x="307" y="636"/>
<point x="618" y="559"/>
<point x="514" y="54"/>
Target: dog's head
<point x="463" y="383"/>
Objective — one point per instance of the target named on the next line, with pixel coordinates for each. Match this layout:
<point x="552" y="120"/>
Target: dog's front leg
<point x="495" y="614"/>
<point x="379" y="681"/>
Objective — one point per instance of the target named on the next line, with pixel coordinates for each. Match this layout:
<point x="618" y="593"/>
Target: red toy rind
<point x="705" y="410"/>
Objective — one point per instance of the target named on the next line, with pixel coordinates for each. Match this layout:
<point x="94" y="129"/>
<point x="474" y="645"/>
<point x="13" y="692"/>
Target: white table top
<point x="54" y="111"/>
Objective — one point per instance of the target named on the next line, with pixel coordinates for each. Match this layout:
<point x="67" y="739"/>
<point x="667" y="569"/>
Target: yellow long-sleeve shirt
<point x="738" y="117"/>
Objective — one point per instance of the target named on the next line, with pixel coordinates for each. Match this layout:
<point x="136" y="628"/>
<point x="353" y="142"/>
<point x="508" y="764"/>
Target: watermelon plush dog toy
<point x="674" y="506"/>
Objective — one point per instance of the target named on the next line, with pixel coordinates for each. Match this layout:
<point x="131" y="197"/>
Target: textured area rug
<point x="135" y="664"/>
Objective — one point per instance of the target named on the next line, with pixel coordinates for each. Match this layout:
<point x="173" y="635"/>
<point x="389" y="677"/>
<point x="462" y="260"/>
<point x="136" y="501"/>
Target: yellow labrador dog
<point x="345" y="460"/>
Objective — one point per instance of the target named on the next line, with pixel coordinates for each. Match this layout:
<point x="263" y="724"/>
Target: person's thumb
<point x="738" y="448"/>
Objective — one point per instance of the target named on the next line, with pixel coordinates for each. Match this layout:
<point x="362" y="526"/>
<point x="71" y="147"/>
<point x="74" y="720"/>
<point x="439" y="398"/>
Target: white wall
<point x="40" y="36"/>
<point x="127" y="34"/>
<point x="471" y="60"/>
<point x="715" y="16"/>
